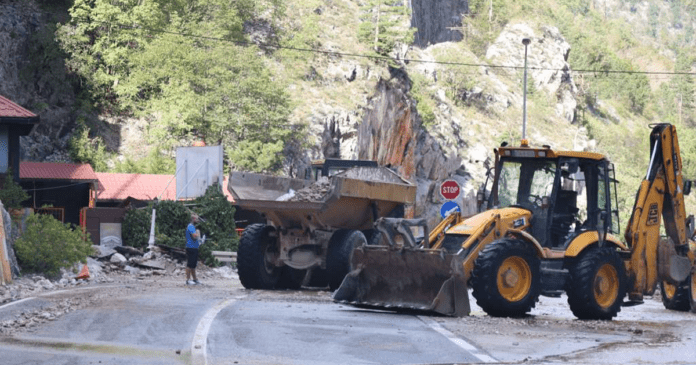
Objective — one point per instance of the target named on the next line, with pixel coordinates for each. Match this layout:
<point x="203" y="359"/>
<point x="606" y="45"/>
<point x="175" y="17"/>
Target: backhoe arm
<point x="660" y="196"/>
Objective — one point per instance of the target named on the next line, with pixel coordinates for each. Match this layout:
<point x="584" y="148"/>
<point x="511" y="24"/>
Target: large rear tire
<point x="340" y="253"/>
<point x="596" y="286"/>
<point x="254" y="258"/>
<point x="675" y="297"/>
<point x="506" y="278"/>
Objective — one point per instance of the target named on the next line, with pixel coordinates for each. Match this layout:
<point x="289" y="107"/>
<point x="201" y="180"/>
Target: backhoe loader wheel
<point x="340" y="253"/>
<point x="692" y="291"/>
<point x="255" y="258"/>
<point x="675" y="297"/>
<point x="596" y="286"/>
<point x="506" y="278"/>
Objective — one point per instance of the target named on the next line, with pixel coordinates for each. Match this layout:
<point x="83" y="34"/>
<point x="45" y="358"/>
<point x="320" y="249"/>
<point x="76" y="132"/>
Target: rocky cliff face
<point x="34" y="79"/>
<point x="391" y="133"/>
<point x="437" y="20"/>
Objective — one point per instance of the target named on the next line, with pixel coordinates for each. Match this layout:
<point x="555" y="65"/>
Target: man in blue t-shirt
<point x="192" y="244"/>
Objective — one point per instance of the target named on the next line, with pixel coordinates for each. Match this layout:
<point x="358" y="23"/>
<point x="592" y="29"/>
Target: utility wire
<point x="385" y="58"/>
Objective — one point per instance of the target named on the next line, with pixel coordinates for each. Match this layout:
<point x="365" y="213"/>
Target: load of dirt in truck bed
<point x="313" y="193"/>
<point x="318" y="191"/>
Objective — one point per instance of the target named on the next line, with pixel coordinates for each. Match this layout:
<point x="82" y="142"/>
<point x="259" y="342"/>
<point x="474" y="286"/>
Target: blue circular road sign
<point x="449" y="208"/>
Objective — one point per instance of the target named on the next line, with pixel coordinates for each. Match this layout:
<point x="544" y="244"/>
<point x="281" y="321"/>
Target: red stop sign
<point x="449" y="189"/>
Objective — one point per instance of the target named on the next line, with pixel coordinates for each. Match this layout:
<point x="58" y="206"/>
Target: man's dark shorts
<point x="192" y="257"/>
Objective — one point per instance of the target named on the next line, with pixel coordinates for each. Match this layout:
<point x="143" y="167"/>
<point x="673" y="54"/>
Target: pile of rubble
<point x="112" y="265"/>
<point x="316" y="192"/>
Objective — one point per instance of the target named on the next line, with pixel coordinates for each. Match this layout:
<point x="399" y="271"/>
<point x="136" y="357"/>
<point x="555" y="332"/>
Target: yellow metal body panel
<point x="507" y="215"/>
<point x="582" y="241"/>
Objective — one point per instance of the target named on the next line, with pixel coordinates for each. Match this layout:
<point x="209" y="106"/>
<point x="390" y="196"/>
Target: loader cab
<point x="567" y="192"/>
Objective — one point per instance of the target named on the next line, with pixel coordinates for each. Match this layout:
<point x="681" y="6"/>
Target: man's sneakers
<point x="193" y="282"/>
<point x="197" y="282"/>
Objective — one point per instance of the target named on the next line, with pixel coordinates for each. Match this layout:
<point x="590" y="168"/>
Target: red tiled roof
<point x="138" y="186"/>
<point x="10" y="109"/>
<point x="56" y="171"/>
<point x="141" y="187"/>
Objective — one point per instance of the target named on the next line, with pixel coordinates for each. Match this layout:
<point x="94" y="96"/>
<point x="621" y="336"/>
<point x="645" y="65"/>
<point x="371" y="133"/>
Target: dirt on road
<point x="550" y="334"/>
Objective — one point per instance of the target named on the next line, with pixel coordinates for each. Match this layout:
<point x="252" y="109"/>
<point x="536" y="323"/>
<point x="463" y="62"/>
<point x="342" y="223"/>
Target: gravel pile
<point x="316" y="192"/>
<point x="105" y="268"/>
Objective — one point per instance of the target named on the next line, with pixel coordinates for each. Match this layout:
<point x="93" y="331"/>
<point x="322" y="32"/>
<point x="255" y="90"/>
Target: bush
<point x="47" y="245"/>
<point x="173" y="217"/>
<point x="11" y="194"/>
<point x="136" y="227"/>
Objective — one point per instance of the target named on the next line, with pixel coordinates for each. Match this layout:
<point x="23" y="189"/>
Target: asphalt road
<point x="165" y="322"/>
<point x="229" y="325"/>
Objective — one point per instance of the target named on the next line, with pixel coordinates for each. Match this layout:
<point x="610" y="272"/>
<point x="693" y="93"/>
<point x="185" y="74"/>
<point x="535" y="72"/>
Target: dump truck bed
<point x="349" y="200"/>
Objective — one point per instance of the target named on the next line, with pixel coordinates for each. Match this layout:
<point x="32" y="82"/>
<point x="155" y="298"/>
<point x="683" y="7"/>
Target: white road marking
<point x="15" y="302"/>
<point x="199" y="352"/>
<point x="473" y="350"/>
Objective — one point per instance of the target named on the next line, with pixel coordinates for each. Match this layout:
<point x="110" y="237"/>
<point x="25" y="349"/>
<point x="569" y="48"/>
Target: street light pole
<point x="526" y="42"/>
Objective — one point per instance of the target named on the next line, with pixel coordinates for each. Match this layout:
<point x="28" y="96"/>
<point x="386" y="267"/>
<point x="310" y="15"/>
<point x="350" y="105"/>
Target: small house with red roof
<point x="114" y="189"/>
<point x="15" y="122"/>
<point x="66" y="187"/>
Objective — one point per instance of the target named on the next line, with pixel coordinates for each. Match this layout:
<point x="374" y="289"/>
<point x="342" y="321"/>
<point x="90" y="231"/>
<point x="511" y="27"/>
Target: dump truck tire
<point x="675" y="297"/>
<point x="339" y="255"/>
<point x="597" y="284"/>
<point x="291" y="278"/>
<point x="255" y="272"/>
<point x="506" y="278"/>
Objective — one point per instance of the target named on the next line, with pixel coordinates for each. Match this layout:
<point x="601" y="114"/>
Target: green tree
<point x="11" y="194"/>
<point x="382" y="26"/>
<point x="84" y="149"/>
<point x="187" y="66"/>
<point x="46" y="245"/>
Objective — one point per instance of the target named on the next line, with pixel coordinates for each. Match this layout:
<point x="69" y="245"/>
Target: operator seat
<point x="564" y="214"/>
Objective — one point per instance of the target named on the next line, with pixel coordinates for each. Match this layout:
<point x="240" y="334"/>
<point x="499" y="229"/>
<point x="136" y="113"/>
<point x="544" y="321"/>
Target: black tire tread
<point x="250" y="258"/>
<point x="339" y="254"/>
<point x="484" y="278"/>
<point x="680" y="301"/>
<point x="579" y="286"/>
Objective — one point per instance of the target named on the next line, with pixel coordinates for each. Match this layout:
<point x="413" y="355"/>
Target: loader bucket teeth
<point x="409" y="278"/>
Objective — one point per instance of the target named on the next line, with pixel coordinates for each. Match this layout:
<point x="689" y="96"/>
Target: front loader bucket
<point x="414" y="278"/>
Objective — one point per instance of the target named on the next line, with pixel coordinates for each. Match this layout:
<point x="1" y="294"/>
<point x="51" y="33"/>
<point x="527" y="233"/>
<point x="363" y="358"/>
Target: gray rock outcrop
<point x="547" y="62"/>
<point x="437" y="21"/>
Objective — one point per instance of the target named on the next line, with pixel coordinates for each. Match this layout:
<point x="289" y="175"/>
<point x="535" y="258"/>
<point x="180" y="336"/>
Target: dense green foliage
<point x="88" y="150"/>
<point x="11" y="194"/>
<point x="172" y="218"/>
<point x="380" y="26"/>
<point x="48" y="245"/>
<point x="156" y="162"/>
<point x="189" y="68"/>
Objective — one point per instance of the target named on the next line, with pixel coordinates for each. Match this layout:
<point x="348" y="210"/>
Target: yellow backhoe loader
<point x="549" y="225"/>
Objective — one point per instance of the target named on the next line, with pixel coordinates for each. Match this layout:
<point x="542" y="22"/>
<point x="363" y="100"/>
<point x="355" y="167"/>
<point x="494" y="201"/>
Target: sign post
<point x="449" y="189"/>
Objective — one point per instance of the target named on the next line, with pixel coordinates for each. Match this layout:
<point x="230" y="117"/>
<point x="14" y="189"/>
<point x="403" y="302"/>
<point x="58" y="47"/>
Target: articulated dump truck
<point x="313" y="224"/>
<point x="549" y="225"/>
